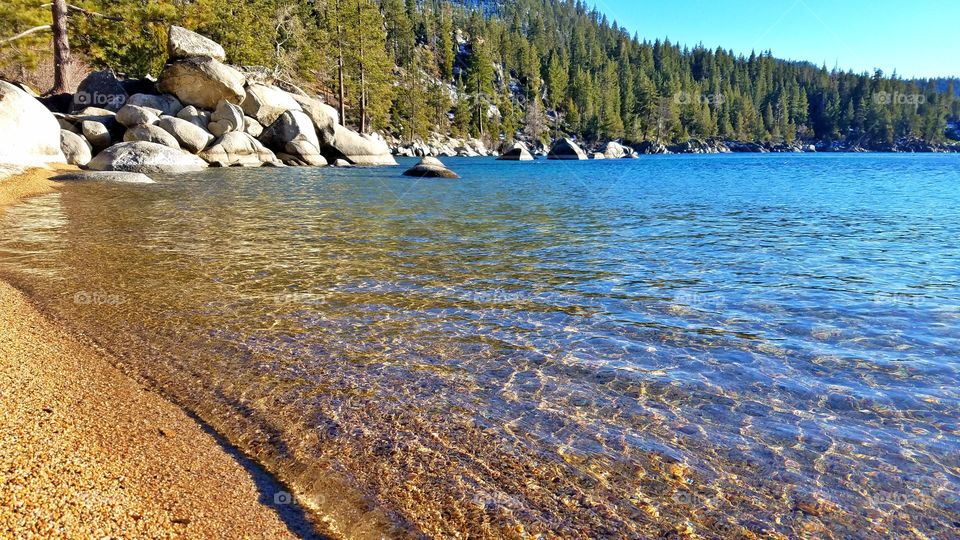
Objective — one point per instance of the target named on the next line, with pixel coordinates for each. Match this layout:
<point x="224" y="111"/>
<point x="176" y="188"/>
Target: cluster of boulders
<point x="438" y="146"/>
<point x="203" y="112"/>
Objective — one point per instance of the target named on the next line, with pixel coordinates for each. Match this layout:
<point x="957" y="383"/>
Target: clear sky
<point x="918" y="38"/>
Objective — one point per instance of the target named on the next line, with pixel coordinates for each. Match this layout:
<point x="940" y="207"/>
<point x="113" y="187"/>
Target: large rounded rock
<point x="75" y="148"/>
<point x="166" y="104"/>
<point x="150" y="133"/>
<point x="430" y="167"/>
<point x="134" y="115"/>
<point x="566" y="149"/>
<point x="97" y="134"/>
<point x="29" y="133"/>
<point x="100" y="89"/>
<point x="195" y="116"/>
<point x="227" y="118"/>
<point x="203" y="82"/>
<point x="182" y="43"/>
<point x="358" y="149"/>
<point x="145" y="157"/>
<point x="191" y="137"/>
<point x="267" y="103"/>
<point x="516" y="152"/>
<point x="293" y="133"/>
<point x="615" y="150"/>
<point x="252" y="127"/>
<point x="325" y="118"/>
<point x="236" y="149"/>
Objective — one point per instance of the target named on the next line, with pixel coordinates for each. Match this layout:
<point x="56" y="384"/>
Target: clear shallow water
<point x="711" y="345"/>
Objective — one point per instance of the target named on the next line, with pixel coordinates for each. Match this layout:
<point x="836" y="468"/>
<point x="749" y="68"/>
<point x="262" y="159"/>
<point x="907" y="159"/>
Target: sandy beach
<point x="88" y="452"/>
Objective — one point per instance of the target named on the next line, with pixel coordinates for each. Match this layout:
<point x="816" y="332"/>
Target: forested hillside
<point x="535" y="67"/>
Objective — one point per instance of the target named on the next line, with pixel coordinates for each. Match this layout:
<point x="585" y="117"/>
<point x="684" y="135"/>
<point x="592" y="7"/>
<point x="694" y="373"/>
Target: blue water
<point x="717" y="345"/>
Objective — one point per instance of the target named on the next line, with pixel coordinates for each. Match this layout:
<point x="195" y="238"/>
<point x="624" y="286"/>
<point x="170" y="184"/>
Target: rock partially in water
<point x="566" y="149"/>
<point x="105" y="176"/>
<point x="146" y="157"/>
<point x="430" y="167"/>
<point x="237" y="149"/>
<point x="517" y="152"/>
<point x="358" y="149"/>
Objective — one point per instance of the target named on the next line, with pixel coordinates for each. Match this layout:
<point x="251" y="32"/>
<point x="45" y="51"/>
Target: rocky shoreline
<point x="441" y="146"/>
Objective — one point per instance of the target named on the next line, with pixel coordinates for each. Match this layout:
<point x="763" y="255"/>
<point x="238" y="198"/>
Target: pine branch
<point x="26" y="33"/>
<point x="74" y="9"/>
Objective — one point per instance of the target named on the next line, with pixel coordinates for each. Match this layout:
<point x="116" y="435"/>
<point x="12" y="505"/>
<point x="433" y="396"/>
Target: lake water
<point x="716" y="345"/>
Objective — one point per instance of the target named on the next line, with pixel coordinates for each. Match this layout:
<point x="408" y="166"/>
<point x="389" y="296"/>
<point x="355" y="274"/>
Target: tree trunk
<point x="342" y="89"/>
<point x="363" y="81"/>
<point x="61" y="48"/>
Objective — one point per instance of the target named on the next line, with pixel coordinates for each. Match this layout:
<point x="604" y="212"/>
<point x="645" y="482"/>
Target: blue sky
<point x="918" y="38"/>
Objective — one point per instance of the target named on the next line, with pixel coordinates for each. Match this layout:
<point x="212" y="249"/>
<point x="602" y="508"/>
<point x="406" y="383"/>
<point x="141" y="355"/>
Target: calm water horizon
<point x="712" y="345"/>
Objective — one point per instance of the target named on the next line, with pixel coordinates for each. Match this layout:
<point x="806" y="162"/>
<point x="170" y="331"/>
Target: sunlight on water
<point x="720" y="346"/>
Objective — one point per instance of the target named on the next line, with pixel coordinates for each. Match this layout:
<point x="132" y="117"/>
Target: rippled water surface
<point x="722" y="346"/>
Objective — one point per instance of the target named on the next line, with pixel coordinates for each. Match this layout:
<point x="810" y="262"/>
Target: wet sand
<point x="88" y="452"/>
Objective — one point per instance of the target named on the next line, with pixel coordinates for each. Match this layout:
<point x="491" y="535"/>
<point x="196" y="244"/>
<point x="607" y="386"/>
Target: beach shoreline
<point x="88" y="451"/>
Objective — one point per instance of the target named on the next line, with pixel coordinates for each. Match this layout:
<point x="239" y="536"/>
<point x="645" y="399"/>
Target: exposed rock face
<point x="651" y="147"/>
<point x="430" y="167"/>
<point x="151" y="133"/>
<point x="145" y="157"/>
<point x="105" y="176"/>
<point x="236" y="149"/>
<point x="76" y="149"/>
<point x="100" y="89"/>
<point x="566" y="149"/>
<point x="517" y="152"/>
<point x="252" y="127"/>
<point x="227" y="118"/>
<point x="615" y="150"/>
<point x="202" y="82"/>
<point x="134" y="115"/>
<point x="324" y="117"/>
<point x="358" y="149"/>
<point x="195" y="116"/>
<point x="293" y="133"/>
<point x="29" y="133"/>
<point x="97" y="133"/>
<point x="165" y="104"/>
<point x="191" y="137"/>
<point x="267" y="103"/>
<point x="182" y="43"/>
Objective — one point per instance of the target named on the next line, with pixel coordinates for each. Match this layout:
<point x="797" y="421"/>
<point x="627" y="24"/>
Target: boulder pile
<point x="200" y="112"/>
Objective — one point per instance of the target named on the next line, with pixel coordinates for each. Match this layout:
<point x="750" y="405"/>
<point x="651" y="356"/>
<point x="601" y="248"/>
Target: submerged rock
<point x="431" y="167"/>
<point x="145" y="157"/>
<point x="105" y="176"/>
<point x="566" y="149"/>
